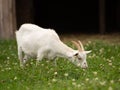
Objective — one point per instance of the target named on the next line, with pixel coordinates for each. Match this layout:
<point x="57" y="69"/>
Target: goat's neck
<point x="65" y="51"/>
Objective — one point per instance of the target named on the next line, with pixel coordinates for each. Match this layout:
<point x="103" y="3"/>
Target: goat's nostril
<point x="85" y="64"/>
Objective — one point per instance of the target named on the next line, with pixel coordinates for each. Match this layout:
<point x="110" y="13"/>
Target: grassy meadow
<point x="103" y="72"/>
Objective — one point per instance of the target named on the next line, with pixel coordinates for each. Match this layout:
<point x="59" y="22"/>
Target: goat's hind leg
<point x="20" y="56"/>
<point x="39" y="57"/>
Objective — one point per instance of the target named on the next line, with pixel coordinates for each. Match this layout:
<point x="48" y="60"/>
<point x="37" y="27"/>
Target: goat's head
<point x="79" y="57"/>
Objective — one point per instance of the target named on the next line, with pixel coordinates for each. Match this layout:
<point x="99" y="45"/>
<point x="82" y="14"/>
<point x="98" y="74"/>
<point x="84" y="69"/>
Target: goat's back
<point x="30" y="35"/>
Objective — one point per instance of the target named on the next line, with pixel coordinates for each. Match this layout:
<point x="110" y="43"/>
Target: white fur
<point x="40" y="43"/>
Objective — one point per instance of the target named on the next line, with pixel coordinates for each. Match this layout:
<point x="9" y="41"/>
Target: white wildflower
<point x="42" y="64"/>
<point x="87" y="79"/>
<point x="73" y="80"/>
<point x="101" y="50"/>
<point x="8" y="58"/>
<point x="74" y="83"/>
<point x="110" y="64"/>
<point x="110" y="88"/>
<point x="118" y="80"/>
<point x="95" y="73"/>
<point x="66" y="74"/>
<point x="47" y="61"/>
<point x="109" y="61"/>
<point x="78" y="85"/>
<point x="112" y="81"/>
<point x="103" y="83"/>
<point x="15" y="78"/>
<point x="55" y="73"/>
<point x="49" y="84"/>
<point x="96" y="78"/>
<point x="54" y="80"/>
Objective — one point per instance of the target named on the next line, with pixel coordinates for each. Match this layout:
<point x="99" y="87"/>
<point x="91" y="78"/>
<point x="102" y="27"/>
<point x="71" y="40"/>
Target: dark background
<point x="68" y="16"/>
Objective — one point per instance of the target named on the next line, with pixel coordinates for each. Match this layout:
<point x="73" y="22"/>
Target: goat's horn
<point x="81" y="45"/>
<point x="77" y="45"/>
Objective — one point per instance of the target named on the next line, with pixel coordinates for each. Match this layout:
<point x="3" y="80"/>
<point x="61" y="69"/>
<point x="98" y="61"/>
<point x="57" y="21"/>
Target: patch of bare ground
<point x="111" y="38"/>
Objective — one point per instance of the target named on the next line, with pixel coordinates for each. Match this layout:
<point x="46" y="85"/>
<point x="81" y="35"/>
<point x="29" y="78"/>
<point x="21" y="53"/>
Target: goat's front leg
<point x="25" y="59"/>
<point x="39" y="57"/>
<point x="55" y="61"/>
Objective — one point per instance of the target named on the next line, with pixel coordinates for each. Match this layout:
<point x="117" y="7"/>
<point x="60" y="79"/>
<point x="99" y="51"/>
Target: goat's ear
<point x="88" y="52"/>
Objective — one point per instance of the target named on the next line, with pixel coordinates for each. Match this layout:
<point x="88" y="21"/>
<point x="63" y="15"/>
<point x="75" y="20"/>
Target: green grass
<point x="103" y="72"/>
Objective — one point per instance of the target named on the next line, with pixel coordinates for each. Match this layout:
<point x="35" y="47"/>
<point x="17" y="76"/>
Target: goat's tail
<point x="18" y="35"/>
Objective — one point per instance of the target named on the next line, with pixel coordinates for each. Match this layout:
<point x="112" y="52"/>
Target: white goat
<point x="40" y="43"/>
